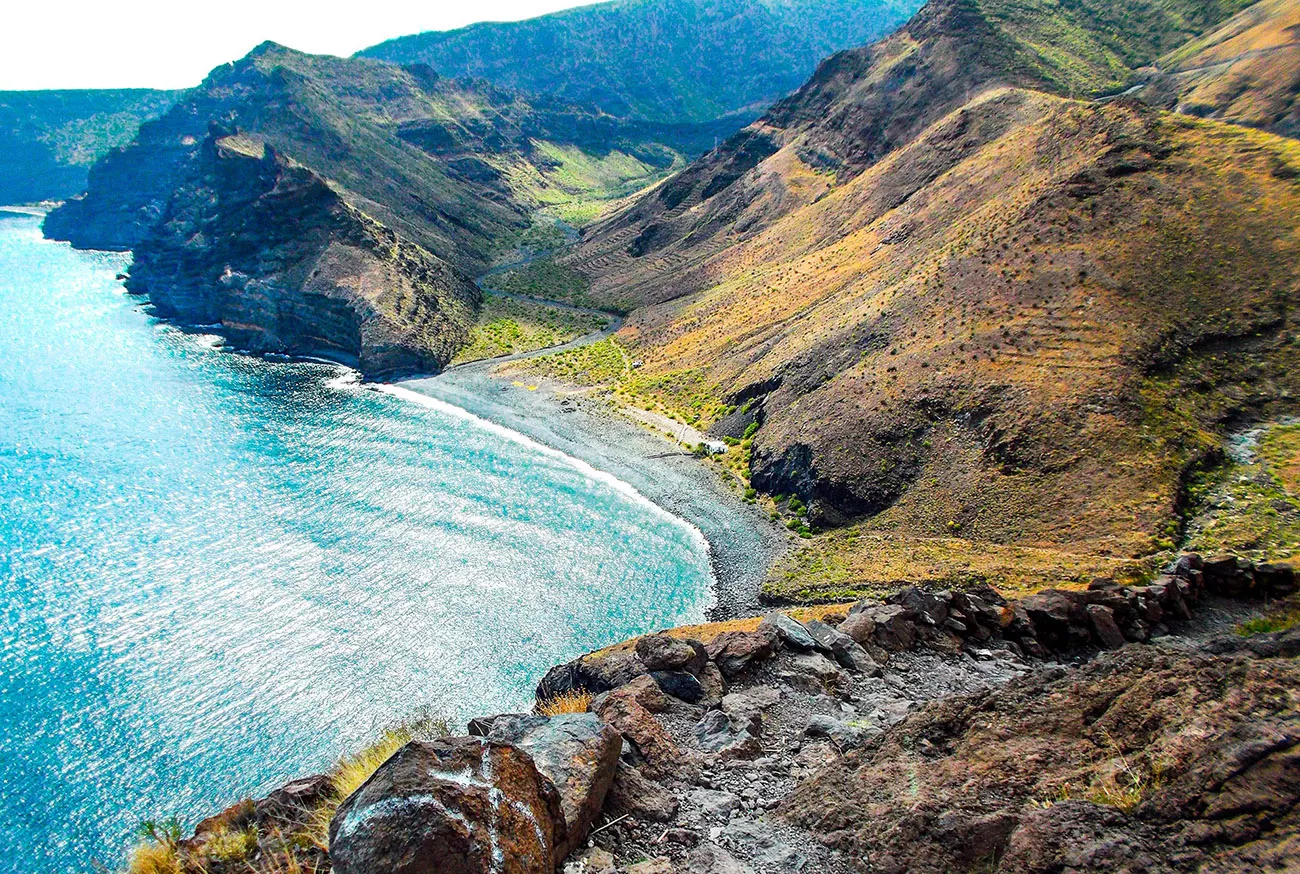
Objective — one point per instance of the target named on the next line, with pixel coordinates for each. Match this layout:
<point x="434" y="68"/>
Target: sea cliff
<point x="266" y="249"/>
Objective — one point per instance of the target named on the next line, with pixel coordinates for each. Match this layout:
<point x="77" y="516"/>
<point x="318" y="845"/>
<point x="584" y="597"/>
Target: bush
<point x="751" y="430"/>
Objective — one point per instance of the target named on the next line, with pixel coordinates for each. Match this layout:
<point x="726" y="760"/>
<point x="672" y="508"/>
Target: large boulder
<point x="891" y="629"/>
<point x="579" y="755"/>
<point x="734" y="651"/>
<point x="844" y="649"/>
<point x="594" y="672"/>
<point x="1059" y="619"/>
<point x="454" y="805"/>
<point x="651" y="748"/>
<point x="789" y="631"/>
<point x="663" y="652"/>
<point x="634" y="794"/>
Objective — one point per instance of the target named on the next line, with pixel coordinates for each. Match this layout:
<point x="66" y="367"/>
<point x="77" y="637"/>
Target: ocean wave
<point x="591" y="472"/>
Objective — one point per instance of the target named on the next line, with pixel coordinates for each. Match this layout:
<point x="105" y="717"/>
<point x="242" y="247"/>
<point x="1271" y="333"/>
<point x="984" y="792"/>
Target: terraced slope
<point x="972" y="315"/>
<point x="674" y="62"/>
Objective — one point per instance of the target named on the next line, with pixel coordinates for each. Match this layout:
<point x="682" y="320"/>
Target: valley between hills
<point x="989" y="327"/>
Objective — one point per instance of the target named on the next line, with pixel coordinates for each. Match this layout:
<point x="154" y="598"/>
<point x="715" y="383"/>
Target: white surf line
<point x="578" y="464"/>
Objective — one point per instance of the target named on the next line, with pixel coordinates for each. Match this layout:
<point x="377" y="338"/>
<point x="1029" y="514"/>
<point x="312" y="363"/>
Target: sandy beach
<point x="743" y="543"/>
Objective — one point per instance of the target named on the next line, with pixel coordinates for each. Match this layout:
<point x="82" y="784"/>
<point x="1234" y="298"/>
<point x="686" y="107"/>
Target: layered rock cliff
<point x="267" y="250"/>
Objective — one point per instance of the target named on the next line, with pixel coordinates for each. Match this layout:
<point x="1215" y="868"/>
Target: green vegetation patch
<point x="1250" y="504"/>
<point x="578" y="186"/>
<point x="596" y="364"/>
<point x="507" y="326"/>
<point x="546" y="280"/>
<point x="1280" y="617"/>
<point x="1088" y="47"/>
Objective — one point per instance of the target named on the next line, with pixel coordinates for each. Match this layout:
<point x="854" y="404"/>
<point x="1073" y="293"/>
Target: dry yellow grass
<point x="351" y="771"/>
<point x="565" y="702"/>
<point x="154" y="858"/>
<point x="706" y="632"/>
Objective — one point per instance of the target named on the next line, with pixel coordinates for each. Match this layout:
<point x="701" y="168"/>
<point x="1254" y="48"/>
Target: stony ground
<point x="729" y="810"/>
<point x="818" y="713"/>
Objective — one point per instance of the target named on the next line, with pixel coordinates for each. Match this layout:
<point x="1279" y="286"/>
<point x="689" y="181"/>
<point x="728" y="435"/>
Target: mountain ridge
<point x="657" y="60"/>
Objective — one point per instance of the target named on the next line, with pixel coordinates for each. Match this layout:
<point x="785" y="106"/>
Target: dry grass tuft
<point x="151" y="857"/>
<point x="565" y="702"/>
<point x="351" y="771"/>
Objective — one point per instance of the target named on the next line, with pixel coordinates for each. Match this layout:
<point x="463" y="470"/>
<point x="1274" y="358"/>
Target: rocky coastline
<point x="1111" y="729"/>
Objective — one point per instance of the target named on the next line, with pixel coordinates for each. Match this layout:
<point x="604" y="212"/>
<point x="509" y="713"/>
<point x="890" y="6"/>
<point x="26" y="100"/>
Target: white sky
<point x="151" y="43"/>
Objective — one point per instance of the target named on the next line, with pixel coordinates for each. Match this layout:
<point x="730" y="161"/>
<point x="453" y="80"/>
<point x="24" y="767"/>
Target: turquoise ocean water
<point x="218" y="572"/>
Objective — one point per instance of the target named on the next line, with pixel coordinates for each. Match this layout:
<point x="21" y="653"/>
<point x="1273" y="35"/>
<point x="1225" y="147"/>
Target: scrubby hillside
<point x="669" y="61"/>
<point x="456" y="167"/>
<point x="49" y="139"/>
<point x="969" y="313"/>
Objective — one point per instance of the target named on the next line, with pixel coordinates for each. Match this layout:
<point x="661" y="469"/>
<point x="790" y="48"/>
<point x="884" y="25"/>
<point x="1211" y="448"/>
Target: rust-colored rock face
<point x="455" y="806"/>
<point x="1145" y="760"/>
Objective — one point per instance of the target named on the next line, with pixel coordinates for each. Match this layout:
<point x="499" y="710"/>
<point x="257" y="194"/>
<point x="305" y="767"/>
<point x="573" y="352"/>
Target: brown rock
<point x="633" y="793"/>
<point x="578" y="754"/>
<point x="1104" y="627"/>
<point x="454" y="805"/>
<point x="659" y="756"/>
<point x="663" y="652"/>
<point x="733" y="651"/>
<point x="1204" y="749"/>
<point x="858" y="626"/>
<point x="644" y="691"/>
<point x="893" y="631"/>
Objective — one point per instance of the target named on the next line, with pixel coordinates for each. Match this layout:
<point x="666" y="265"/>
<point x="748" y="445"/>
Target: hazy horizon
<point x="146" y="44"/>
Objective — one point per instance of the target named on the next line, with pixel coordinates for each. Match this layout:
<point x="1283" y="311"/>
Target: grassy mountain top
<point x="458" y="167"/>
<point x="48" y="139"/>
<point x="662" y="60"/>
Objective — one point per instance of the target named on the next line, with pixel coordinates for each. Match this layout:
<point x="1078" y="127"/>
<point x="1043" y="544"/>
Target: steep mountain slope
<point x="969" y="312"/>
<point x="430" y="176"/>
<point x="48" y="139"/>
<point x="668" y="61"/>
<point x="1246" y="71"/>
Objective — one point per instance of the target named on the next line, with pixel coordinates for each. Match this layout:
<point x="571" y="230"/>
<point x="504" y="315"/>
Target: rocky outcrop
<point x="459" y="805"/>
<point x="577" y="753"/>
<point x="270" y="253"/>
<point x="930" y="732"/>
<point x="1144" y="760"/>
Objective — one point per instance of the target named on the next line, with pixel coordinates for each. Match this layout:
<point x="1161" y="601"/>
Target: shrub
<point x="226" y="845"/>
<point x="1282" y="617"/>
<point x="751" y="430"/>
